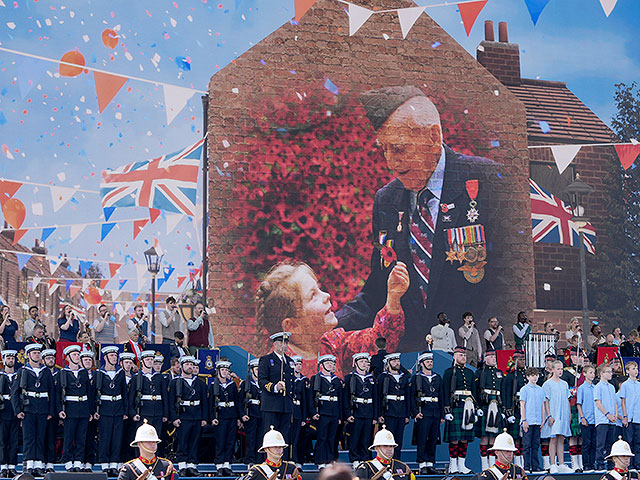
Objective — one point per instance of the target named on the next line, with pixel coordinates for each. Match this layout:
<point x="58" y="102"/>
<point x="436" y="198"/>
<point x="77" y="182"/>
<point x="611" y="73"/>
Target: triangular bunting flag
<point x="535" y="8"/>
<point x="103" y="283"/>
<point x="138" y="225"/>
<point x="23" y="258"/>
<point x="564" y="155"/>
<point x="53" y="285"/>
<point x="357" y="16"/>
<point x="161" y="282"/>
<point x="407" y="17"/>
<point x="68" y="285"/>
<point x="168" y="271"/>
<point x="113" y="269"/>
<point x="122" y="283"/>
<point x="85" y="265"/>
<point x="106" y="228"/>
<point x="172" y="221"/>
<point x="8" y="189"/>
<point x="60" y="196"/>
<point x="608" y="6"/>
<point x="53" y="265"/>
<point x="302" y="7"/>
<point x="181" y="280"/>
<point x="469" y="13"/>
<point x="35" y="282"/>
<point x="107" y="86"/>
<point x="18" y="234"/>
<point x="46" y="233"/>
<point x="627" y="154"/>
<point x="108" y="211"/>
<point x="86" y="283"/>
<point x="73" y="290"/>
<point x="175" y="98"/>
<point x="154" y="213"/>
<point x="75" y="231"/>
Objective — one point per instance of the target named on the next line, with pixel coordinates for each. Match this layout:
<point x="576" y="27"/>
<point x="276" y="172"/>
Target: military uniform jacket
<point x="300" y="398"/>
<point x="264" y="471"/>
<point x="326" y="396"/>
<point x="111" y="394"/>
<point x="250" y="395"/>
<point x="615" y="475"/>
<point x="511" y="385"/>
<point x="426" y="396"/>
<point x="6" y="382"/>
<point x="225" y="400"/>
<point x="456" y="387"/>
<point x="148" y="395"/>
<point x="488" y="385"/>
<point x="75" y="395"/>
<point x="360" y="396"/>
<point x="496" y="472"/>
<point x="33" y="392"/>
<point x="268" y="375"/>
<point x="188" y="401"/>
<point x="393" y="395"/>
<point x="396" y="469"/>
<point x="136" y="467"/>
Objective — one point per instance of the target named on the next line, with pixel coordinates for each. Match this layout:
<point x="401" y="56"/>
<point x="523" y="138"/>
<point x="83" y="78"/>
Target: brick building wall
<point x="296" y="58"/>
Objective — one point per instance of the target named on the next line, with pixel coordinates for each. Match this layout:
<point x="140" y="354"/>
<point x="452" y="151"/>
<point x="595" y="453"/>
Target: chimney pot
<point x="489" y="31"/>
<point x="503" y="32"/>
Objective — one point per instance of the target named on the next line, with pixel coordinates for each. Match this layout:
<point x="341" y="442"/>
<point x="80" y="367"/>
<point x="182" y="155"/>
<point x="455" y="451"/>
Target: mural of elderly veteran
<point x="436" y="216"/>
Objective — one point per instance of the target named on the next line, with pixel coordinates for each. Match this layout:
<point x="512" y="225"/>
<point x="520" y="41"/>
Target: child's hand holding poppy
<point x="397" y="285"/>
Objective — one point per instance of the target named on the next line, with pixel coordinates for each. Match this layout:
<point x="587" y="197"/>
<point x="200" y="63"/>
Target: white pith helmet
<point x="145" y="433"/>
<point x="384" y="438"/>
<point x="620" y="448"/>
<point x="272" y="438"/>
<point x="504" y="442"/>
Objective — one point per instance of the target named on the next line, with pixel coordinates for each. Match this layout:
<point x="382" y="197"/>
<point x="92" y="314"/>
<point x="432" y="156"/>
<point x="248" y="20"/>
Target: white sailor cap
<point x="223" y="364"/>
<point x="127" y="356"/>
<point x="9" y="353"/>
<point x="71" y="348"/>
<point x="391" y="356"/>
<point x="187" y="359"/>
<point x="49" y="352"/>
<point x="297" y="359"/>
<point x="158" y="358"/>
<point x="197" y="362"/>
<point x="86" y="353"/>
<point x="361" y="356"/>
<point x="425" y="356"/>
<point x="147" y="353"/>
<point x="254" y="362"/>
<point x="326" y="358"/>
<point x="280" y="336"/>
<point x="110" y="349"/>
<point x="32" y="346"/>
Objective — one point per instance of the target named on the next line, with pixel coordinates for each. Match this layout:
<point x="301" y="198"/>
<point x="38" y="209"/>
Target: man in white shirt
<point x="443" y="335"/>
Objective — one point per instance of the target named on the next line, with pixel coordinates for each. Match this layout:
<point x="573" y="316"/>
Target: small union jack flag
<point x="551" y="221"/>
<point x="167" y="183"/>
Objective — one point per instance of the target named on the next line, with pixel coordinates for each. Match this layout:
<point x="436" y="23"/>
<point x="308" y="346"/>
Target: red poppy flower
<point x="388" y="254"/>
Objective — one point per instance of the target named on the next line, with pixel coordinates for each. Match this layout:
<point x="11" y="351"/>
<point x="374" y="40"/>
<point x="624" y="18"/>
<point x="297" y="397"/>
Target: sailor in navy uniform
<point x="149" y="392"/>
<point x="275" y="377"/>
<point x="158" y="468"/>
<point x="127" y="360"/>
<point x="299" y="435"/>
<point x="226" y="412"/>
<point x="504" y="468"/>
<point x="111" y="409"/>
<point x="384" y="445"/>
<point x="51" y="433"/>
<point x="360" y="405"/>
<point x="32" y="397"/>
<point x="91" y="444"/>
<point x="428" y="410"/>
<point x="251" y="415"/>
<point x="188" y="413"/>
<point x="9" y="423"/>
<point x="393" y="391"/>
<point x="325" y="408"/>
<point x="274" y="467"/>
<point x="621" y="457"/>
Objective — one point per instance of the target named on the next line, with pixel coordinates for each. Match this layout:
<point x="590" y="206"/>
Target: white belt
<point x="363" y="400"/>
<point x="296" y="402"/>
<point x="463" y="392"/>
<point x="76" y="398"/>
<point x="151" y="397"/>
<point x="111" y="398"/>
<point x="429" y="399"/>
<point x="6" y="397"/>
<point x="38" y="394"/>
<point x="397" y="398"/>
<point x="225" y="404"/>
<point x="491" y="392"/>
<point x="254" y="401"/>
<point x="327" y="398"/>
<point x="189" y="403"/>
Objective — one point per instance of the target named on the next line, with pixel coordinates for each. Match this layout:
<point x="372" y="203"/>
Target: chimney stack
<point x="501" y="58"/>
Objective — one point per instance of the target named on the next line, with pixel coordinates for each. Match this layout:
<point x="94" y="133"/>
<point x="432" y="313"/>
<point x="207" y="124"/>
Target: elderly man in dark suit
<point x="434" y="217"/>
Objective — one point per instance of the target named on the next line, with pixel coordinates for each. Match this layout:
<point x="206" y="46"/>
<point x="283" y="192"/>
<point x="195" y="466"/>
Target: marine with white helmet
<point x="621" y="457"/>
<point x="273" y="445"/>
<point x="384" y="466"/>
<point x="504" y="468"/>
<point x="147" y="441"/>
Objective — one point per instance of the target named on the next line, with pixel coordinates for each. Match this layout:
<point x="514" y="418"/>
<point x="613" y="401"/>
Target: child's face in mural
<point x="316" y="316"/>
<point x="412" y="142"/>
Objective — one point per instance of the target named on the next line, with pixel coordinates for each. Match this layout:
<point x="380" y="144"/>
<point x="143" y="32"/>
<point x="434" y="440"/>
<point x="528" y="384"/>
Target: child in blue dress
<point x="557" y="425"/>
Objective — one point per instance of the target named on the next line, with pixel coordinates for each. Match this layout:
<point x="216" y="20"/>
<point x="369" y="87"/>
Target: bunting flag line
<point x="60" y="196"/>
<point x="408" y="17"/>
<point x="108" y="212"/>
<point x="107" y="86"/>
<point x="627" y="151"/>
<point x="564" y="155"/>
<point x="302" y="7"/>
<point x="8" y="189"/>
<point x="46" y="233"/>
<point x="175" y="99"/>
<point x="106" y="228"/>
<point x="357" y="16"/>
<point x="154" y="213"/>
<point x="138" y="226"/>
<point x="608" y="6"/>
<point x="18" y="234"/>
<point x="469" y="13"/>
<point x="76" y="230"/>
<point x="23" y="258"/>
<point x="113" y="268"/>
<point x="627" y="154"/>
<point x="535" y="8"/>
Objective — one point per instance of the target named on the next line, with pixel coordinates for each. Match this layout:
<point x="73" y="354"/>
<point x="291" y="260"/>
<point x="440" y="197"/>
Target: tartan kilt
<point x="481" y="425"/>
<point x="575" y="422"/>
<point x="453" y="430"/>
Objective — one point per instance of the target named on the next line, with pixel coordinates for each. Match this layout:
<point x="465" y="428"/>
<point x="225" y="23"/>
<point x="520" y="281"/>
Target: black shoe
<point x="432" y="471"/>
<point x="37" y="472"/>
<point x="182" y="472"/>
<point x="193" y="472"/>
<point x="423" y="471"/>
<point x="48" y="470"/>
<point x="12" y="473"/>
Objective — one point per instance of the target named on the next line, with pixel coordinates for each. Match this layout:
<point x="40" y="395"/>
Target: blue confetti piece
<point x="544" y="126"/>
<point x="3" y="119"/>
<point x="4" y="91"/>
<point x="219" y="171"/>
<point x="263" y="62"/>
<point x="293" y="72"/>
<point x="499" y="175"/>
<point x="435" y="44"/>
<point x="495" y="143"/>
<point x="183" y="64"/>
<point x="294" y="22"/>
<point x="329" y="85"/>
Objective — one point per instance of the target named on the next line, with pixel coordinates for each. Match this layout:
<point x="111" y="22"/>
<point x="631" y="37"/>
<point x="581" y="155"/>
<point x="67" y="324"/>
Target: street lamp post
<point x="578" y="191"/>
<point x="153" y="267"/>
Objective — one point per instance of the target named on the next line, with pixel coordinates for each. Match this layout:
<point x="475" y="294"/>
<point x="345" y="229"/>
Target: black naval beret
<point x="382" y="102"/>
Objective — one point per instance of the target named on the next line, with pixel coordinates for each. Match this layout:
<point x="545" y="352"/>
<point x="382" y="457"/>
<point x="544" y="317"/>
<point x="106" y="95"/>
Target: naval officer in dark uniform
<point x="393" y="391"/>
<point x="9" y="423"/>
<point x="149" y="391"/>
<point x="250" y="394"/>
<point x="51" y="433"/>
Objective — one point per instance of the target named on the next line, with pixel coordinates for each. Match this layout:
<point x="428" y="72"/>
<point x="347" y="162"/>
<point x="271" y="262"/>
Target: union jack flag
<point x="167" y="183"/>
<point x="551" y="221"/>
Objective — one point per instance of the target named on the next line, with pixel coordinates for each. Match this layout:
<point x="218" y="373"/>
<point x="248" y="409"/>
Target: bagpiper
<point x="384" y="465"/>
<point x="393" y="392"/>
<point x="504" y="468"/>
<point x="274" y="468"/>
<point x="488" y="380"/>
<point x="226" y="413"/>
<point x="147" y="465"/>
<point x="51" y="433"/>
<point x="251" y="415"/>
<point x="428" y="410"/>
<point x="621" y="457"/>
<point x="459" y="410"/>
<point x="360" y="404"/>
<point x="9" y="423"/>
<point x="511" y="385"/>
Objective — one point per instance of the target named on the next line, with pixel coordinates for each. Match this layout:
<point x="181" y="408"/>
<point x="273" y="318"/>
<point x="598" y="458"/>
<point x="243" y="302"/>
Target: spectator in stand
<point x="575" y="328"/>
<point x="630" y="347"/>
<point x="9" y="327"/>
<point x="88" y="343"/>
<point x="596" y="338"/>
<point x="200" y="333"/>
<point x="470" y="338"/>
<point x="521" y="330"/>
<point x="494" y="336"/>
<point x="170" y="320"/>
<point x="377" y="360"/>
<point x="140" y="321"/>
<point x="177" y="347"/>
<point x="68" y="324"/>
<point x="551" y="330"/>
<point x="133" y="345"/>
<point x="30" y="322"/>
<point x="618" y="338"/>
<point x="105" y="326"/>
<point x="444" y="338"/>
<point x="40" y="337"/>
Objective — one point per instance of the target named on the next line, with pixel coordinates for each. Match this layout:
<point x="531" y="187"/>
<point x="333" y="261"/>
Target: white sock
<point x="182" y="465"/>
<point x="423" y="465"/>
<point x="68" y="465"/>
<point x="49" y="466"/>
<point x="29" y="464"/>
